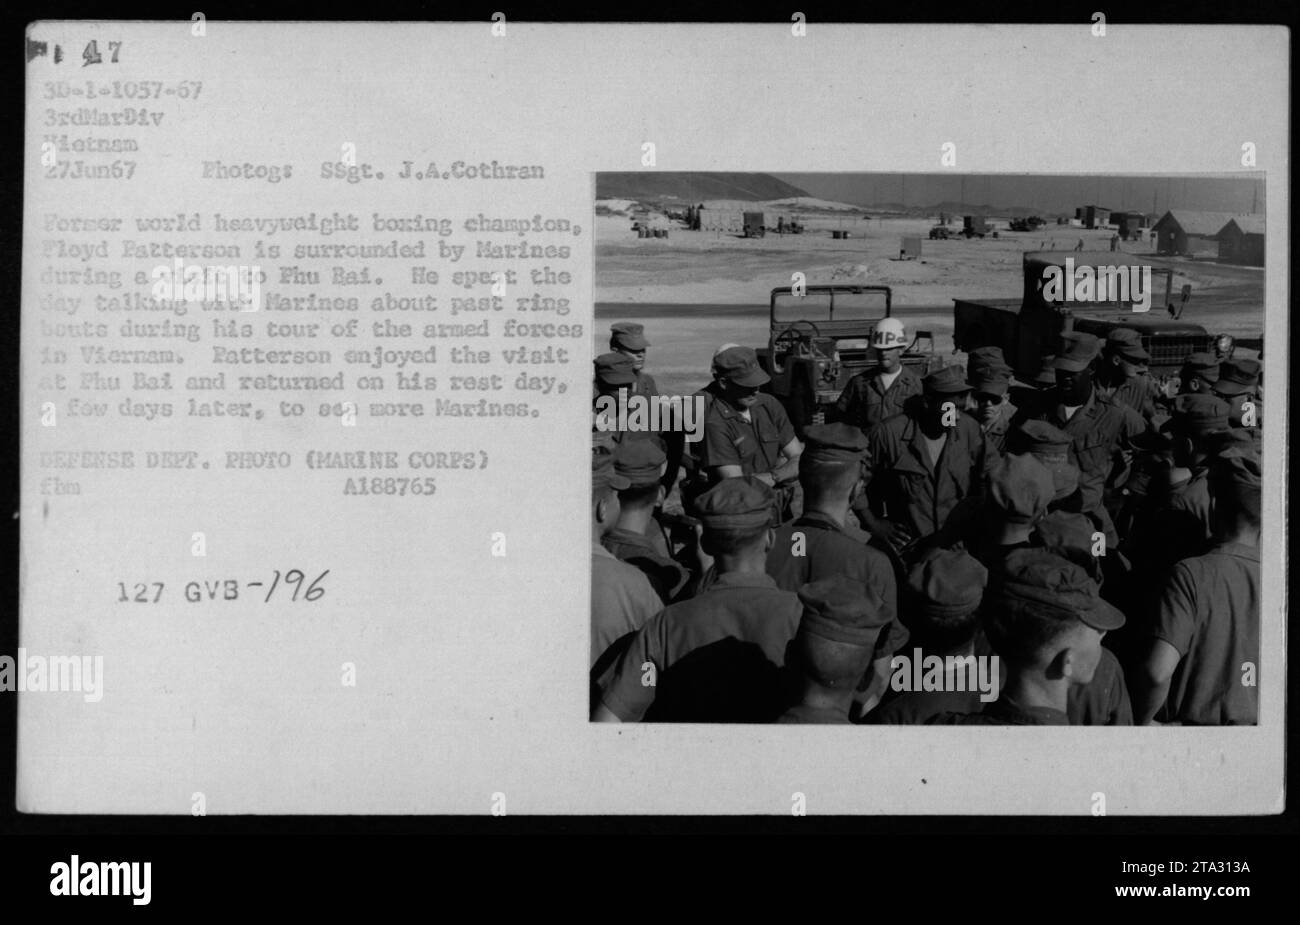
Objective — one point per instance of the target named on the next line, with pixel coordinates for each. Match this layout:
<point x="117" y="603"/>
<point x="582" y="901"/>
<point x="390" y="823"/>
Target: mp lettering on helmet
<point x="888" y="335"/>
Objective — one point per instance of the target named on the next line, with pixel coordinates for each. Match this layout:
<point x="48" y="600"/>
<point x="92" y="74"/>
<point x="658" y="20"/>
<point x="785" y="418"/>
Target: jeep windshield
<point x="825" y="304"/>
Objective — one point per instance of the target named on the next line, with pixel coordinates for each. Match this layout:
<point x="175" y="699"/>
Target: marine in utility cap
<point x="986" y="363"/>
<point x="746" y="431"/>
<point x="834" y="646"/>
<point x="613" y="377"/>
<point x="628" y="338"/>
<point x="1171" y="516"/>
<point x="824" y="541"/>
<point x="1051" y="447"/>
<point x="719" y="656"/>
<point x="1101" y="431"/>
<point x="1045" y="618"/>
<point x="1127" y="343"/>
<point x="950" y="380"/>
<point x="1123" y="376"/>
<point x="881" y="392"/>
<point x="632" y="537"/>
<point x="735" y="504"/>
<point x="1239" y="384"/>
<point x="1237" y="377"/>
<point x="833" y="442"/>
<point x="941" y="596"/>
<point x="990" y="405"/>
<point x="926" y="469"/>
<point x="1020" y="488"/>
<point x="982" y="359"/>
<point x="614" y="371"/>
<point x="1199" y="373"/>
<point x="1208" y="614"/>
<point x="1198" y="415"/>
<point x="641" y="462"/>
<point x="622" y="599"/>
<point x="1078" y="350"/>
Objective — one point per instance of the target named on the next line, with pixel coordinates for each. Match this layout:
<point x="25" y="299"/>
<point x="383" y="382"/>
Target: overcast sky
<point x="1047" y="193"/>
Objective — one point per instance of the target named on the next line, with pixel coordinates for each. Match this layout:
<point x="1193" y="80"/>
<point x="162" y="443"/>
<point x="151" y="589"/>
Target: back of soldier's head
<point x="823" y="478"/>
<point x="1027" y="637"/>
<point x="641" y="463"/>
<point x="1235" y="481"/>
<point x="736" y="515"/>
<point x="1039" y="604"/>
<point x="841" y="621"/>
<point x="940" y="600"/>
<point x="831" y="463"/>
<point x="828" y="663"/>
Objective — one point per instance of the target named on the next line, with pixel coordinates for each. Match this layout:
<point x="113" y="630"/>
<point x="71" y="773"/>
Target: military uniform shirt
<point x="1104" y="700"/>
<point x="828" y="550"/>
<point x="1138" y="393"/>
<point x="865" y="402"/>
<point x="1194" y="499"/>
<point x="1097" y="430"/>
<point x="754" y="445"/>
<point x="1004" y="712"/>
<point x="1001" y="426"/>
<point x="644" y="384"/>
<point x="801" y="713"/>
<point x="1209" y="612"/>
<point x="636" y="549"/>
<point x="914" y="708"/>
<point x="622" y="600"/>
<point x="716" y="658"/>
<point x="906" y="489"/>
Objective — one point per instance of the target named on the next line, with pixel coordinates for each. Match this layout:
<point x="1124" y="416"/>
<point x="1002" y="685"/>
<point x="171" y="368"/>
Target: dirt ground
<point x="697" y="290"/>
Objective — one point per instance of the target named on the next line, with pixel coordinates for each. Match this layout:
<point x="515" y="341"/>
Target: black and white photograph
<point x="926" y="449"/>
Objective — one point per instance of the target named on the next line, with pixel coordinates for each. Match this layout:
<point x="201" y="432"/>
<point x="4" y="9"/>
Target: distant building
<point x="1093" y="216"/>
<point x="1128" y="223"/>
<point x="1183" y="231"/>
<point x="1241" y="240"/>
<point x="732" y="220"/>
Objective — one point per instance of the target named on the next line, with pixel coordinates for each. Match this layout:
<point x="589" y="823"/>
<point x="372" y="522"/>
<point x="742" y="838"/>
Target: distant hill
<point x="957" y="208"/>
<point x="687" y="187"/>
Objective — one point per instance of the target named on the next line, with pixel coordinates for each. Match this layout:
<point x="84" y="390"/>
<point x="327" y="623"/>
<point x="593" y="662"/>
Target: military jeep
<point x="820" y="339"/>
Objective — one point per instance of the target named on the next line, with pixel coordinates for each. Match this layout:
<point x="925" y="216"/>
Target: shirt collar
<point x="1024" y="715"/>
<point x="820" y="519"/>
<point x="1240" y="550"/>
<point x="744" y="580"/>
<point x="627" y="537"/>
<point x="1058" y="410"/>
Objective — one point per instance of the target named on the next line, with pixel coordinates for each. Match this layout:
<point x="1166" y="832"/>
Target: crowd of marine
<point x="1096" y="531"/>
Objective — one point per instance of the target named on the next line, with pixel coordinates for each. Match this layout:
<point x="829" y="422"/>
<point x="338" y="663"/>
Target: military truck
<point x="753" y="223"/>
<point x="1029" y="328"/>
<point x="820" y="339"/>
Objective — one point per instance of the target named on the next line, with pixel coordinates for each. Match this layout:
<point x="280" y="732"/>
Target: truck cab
<point x="1029" y="328"/>
<point x="820" y="338"/>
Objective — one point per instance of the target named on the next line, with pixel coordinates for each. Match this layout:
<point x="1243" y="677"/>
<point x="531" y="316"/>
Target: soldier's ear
<point x="1064" y="664"/>
<point x="771" y="538"/>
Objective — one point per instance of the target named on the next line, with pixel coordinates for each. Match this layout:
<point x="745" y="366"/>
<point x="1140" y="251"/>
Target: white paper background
<point x="472" y="669"/>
